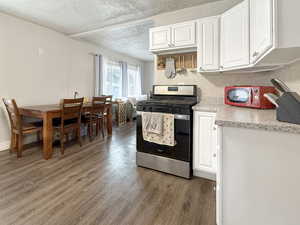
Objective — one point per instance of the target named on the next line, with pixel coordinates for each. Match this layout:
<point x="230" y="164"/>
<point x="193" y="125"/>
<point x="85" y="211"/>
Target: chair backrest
<point x="98" y="103"/>
<point x="71" y="110"/>
<point x="13" y="114"/>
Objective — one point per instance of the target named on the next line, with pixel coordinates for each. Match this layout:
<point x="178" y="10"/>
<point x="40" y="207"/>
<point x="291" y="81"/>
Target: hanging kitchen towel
<point x="170" y="71"/>
<point x="155" y="124"/>
<point x="167" y="136"/>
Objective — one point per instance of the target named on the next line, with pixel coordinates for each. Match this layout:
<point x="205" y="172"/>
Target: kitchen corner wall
<point x="212" y="85"/>
<point x="148" y="77"/>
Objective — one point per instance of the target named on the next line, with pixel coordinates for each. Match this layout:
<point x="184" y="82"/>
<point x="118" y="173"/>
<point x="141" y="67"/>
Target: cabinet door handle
<point x="214" y="155"/>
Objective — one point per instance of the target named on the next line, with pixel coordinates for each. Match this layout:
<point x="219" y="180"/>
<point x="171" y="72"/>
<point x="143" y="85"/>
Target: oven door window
<point x="240" y="95"/>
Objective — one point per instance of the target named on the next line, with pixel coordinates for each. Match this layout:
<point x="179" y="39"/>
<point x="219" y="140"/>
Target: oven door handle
<point x="176" y="116"/>
<point x="160" y="150"/>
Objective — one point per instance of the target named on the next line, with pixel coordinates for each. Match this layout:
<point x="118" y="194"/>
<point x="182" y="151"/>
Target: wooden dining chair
<point x="95" y="118"/>
<point x="108" y="100"/>
<point x="70" y="122"/>
<point x="19" y="128"/>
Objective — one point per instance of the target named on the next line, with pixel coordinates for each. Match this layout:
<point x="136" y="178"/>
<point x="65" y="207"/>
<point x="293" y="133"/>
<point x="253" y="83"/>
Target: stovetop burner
<point x="170" y="99"/>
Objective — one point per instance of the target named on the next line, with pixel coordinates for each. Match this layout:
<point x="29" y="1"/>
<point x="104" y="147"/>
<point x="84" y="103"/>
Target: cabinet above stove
<point x="253" y="36"/>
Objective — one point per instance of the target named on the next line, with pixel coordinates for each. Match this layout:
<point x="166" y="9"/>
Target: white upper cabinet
<point x="184" y="34"/>
<point x="208" y="53"/>
<point x="261" y="28"/>
<point x="235" y="36"/>
<point x="160" y="37"/>
<point x="253" y="36"/>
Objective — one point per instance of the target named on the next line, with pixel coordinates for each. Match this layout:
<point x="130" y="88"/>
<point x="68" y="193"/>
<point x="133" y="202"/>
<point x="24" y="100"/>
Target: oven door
<point x="183" y="133"/>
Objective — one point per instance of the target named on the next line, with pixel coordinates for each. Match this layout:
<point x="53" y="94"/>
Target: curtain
<point x="124" y="79"/>
<point x="134" y="82"/>
<point x="98" y="62"/>
<point x="139" y="81"/>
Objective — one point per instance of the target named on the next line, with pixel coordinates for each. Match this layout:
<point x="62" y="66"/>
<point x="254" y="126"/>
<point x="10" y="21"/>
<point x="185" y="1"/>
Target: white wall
<point x="148" y="77"/>
<point x="118" y="56"/>
<point x="41" y="66"/>
<point x="212" y="85"/>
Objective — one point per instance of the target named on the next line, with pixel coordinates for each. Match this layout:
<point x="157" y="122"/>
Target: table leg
<point x="109" y="120"/>
<point x="47" y="136"/>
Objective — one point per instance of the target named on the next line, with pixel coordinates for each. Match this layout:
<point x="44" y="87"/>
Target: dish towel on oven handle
<point x="159" y="128"/>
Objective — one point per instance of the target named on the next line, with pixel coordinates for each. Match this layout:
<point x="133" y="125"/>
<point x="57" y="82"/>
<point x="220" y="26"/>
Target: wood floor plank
<point x="99" y="184"/>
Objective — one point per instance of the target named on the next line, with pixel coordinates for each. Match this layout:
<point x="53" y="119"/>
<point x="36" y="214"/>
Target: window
<point x="134" y="81"/>
<point x="119" y="79"/>
<point x="112" y="78"/>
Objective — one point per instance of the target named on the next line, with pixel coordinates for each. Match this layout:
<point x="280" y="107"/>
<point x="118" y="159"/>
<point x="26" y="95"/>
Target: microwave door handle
<point x="251" y="96"/>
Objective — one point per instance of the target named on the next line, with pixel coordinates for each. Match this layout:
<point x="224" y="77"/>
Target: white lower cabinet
<point x="205" y="145"/>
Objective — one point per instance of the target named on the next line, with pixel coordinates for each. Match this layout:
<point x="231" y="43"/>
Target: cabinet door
<point x="160" y="38"/>
<point x="205" y="142"/>
<point x="261" y="28"/>
<point x="235" y="36"/>
<point x="184" y="34"/>
<point x="208" y="44"/>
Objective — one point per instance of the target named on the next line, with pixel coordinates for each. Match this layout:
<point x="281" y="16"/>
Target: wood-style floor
<point x="99" y="184"/>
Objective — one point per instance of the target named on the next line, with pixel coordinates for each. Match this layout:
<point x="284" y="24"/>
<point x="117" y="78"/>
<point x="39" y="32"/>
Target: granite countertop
<point x="230" y="116"/>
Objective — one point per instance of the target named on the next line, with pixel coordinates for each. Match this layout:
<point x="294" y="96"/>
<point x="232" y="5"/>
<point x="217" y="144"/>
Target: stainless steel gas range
<point x="176" y="160"/>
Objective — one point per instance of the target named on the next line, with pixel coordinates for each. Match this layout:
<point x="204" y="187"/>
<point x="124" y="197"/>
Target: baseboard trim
<point x="4" y="145"/>
<point x="203" y="174"/>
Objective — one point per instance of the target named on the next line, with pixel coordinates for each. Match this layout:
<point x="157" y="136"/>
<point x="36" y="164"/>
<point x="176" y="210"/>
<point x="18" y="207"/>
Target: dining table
<point x="49" y="112"/>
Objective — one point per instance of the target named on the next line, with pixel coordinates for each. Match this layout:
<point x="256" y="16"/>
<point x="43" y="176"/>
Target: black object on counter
<point x="280" y="85"/>
<point x="288" y="104"/>
<point x="288" y="109"/>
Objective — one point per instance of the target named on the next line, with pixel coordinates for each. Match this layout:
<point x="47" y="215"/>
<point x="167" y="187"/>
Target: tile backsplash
<point x="212" y="85"/>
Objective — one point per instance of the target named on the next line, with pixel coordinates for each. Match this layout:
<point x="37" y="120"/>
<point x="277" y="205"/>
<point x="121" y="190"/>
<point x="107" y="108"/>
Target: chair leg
<point x="38" y="135"/>
<point x="97" y="127"/>
<point x="91" y="131"/>
<point x="12" y="143"/>
<point x="20" y="146"/>
<point x="102" y="127"/>
<point x="62" y="147"/>
<point x="79" y="137"/>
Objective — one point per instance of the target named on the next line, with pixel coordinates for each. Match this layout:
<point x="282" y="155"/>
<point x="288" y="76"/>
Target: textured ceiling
<point x="132" y="40"/>
<point x="75" y="16"/>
